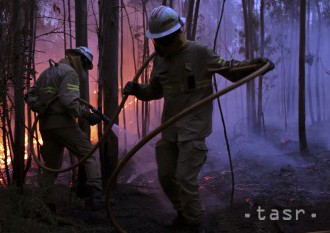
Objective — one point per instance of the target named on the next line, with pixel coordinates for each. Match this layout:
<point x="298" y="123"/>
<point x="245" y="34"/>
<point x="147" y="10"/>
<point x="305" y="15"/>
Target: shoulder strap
<point x="52" y="63"/>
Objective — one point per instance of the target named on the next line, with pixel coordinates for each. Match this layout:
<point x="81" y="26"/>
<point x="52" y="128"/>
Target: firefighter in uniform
<point x="58" y="126"/>
<point x="182" y="75"/>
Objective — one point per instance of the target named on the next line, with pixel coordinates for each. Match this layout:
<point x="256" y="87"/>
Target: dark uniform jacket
<point x="62" y="81"/>
<point x="183" y="79"/>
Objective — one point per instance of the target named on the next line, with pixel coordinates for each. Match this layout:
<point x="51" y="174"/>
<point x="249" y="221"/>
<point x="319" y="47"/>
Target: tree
<point x="30" y="67"/>
<point x="301" y="101"/>
<point x="109" y="76"/>
<point x="262" y="52"/>
<point x="192" y="18"/>
<point x="82" y="40"/>
<point x="317" y="62"/>
<point x="18" y="79"/>
<point x="250" y="87"/>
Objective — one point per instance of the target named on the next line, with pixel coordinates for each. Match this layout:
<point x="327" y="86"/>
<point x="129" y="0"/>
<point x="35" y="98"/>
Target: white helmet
<point x="163" y="21"/>
<point x="82" y="50"/>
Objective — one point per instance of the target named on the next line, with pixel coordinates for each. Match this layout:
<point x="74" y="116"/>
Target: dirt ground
<point x="276" y="190"/>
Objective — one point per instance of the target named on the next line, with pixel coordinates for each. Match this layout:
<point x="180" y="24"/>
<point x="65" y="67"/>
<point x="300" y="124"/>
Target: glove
<point x="130" y="88"/>
<point x="92" y="118"/>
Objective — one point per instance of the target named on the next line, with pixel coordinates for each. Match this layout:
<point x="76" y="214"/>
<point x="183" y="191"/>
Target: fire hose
<point x="165" y="125"/>
<point x="106" y="132"/>
<point x="146" y="139"/>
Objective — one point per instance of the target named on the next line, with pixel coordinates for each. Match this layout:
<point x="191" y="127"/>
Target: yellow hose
<point x="107" y="130"/>
<point x="165" y="125"/>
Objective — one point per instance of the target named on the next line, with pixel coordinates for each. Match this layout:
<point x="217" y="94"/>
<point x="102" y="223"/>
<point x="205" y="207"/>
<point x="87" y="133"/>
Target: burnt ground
<point x="270" y="174"/>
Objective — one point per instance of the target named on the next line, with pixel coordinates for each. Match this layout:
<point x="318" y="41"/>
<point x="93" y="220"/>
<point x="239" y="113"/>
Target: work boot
<point x="195" y="228"/>
<point x="178" y="221"/>
<point x="97" y="198"/>
<point x="83" y="191"/>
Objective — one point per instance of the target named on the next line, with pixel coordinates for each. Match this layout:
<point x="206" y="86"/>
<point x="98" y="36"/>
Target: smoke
<point x="277" y="145"/>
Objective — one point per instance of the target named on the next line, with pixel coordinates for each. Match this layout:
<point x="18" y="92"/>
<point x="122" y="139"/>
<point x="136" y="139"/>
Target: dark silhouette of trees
<point x="301" y="110"/>
<point x="109" y="76"/>
<point x="17" y="56"/>
<point x="82" y="40"/>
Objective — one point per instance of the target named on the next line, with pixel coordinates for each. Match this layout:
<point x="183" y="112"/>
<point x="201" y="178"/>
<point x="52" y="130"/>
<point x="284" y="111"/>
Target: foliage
<point x="282" y="10"/>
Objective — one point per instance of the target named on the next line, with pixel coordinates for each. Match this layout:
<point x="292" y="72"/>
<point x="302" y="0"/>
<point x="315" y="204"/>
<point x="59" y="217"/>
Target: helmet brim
<point x="166" y="33"/>
<point x="73" y="52"/>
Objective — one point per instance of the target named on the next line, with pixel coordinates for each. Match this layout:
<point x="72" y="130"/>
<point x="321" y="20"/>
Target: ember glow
<point x="2" y="157"/>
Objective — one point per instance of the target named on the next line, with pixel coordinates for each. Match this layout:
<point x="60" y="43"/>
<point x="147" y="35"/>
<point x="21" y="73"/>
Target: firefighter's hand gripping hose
<point x="107" y="130"/>
<point x="165" y="125"/>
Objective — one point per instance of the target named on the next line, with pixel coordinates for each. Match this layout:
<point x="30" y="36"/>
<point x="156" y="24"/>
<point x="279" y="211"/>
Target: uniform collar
<point x="176" y="47"/>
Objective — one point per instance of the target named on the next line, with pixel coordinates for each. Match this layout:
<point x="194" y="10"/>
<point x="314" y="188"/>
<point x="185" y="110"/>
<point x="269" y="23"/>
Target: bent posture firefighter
<point x="182" y="75"/>
<point x="58" y="126"/>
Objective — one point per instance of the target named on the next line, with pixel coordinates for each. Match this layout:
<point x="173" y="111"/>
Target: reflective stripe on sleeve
<point x="73" y="87"/>
<point x="50" y="90"/>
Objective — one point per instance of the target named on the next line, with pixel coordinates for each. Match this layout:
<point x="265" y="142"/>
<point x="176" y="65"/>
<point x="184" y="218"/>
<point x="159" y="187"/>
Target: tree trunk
<point x="193" y="33"/>
<point x="69" y="19"/>
<point x="82" y="40"/>
<point x="262" y="48"/>
<point x="317" y="63"/>
<point x="250" y="98"/>
<point x="109" y="74"/>
<point x="301" y="102"/>
<point x="31" y="16"/>
<point x="64" y="23"/>
<point x="189" y="21"/>
<point x="145" y="104"/>
<point x="18" y="78"/>
<point x="309" y="85"/>
<point x="122" y="68"/>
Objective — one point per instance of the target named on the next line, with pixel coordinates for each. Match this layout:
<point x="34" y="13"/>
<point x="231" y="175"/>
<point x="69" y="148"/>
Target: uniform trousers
<point x="179" y="164"/>
<point x="77" y="142"/>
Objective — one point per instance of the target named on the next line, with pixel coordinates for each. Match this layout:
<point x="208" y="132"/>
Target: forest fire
<point x="2" y="157"/>
<point x="255" y="154"/>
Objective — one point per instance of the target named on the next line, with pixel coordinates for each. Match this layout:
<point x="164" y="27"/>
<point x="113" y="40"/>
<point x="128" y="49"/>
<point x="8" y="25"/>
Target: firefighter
<point x="182" y="75"/>
<point x="58" y="125"/>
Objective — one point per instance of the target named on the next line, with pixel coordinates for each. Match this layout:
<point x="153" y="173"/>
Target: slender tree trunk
<point x="317" y="63"/>
<point x="262" y="48"/>
<point x="145" y="105"/>
<point x="283" y="91"/>
<point x="82" y="40"/>
<point x="18" y="78"/>
<point x="252" y="37"/>
<point x="99" y="67"/>
<point x="193" y="33"/>
<point x="64" y="23"/>
<point x="309" y="85"/>
<point x="122" y="68"/>
<point x="69" y="19"/>
<point x="248" y="55"/>
<point x="31" y="16"/>
<point x="301" y="103"/>
<point x="109" y="73"/>
<point x="295" y="65"/>
<point x="190" y="19"/>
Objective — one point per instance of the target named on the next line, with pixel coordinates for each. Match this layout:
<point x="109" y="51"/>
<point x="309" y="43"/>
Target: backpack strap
<point x="52" y="63"/>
